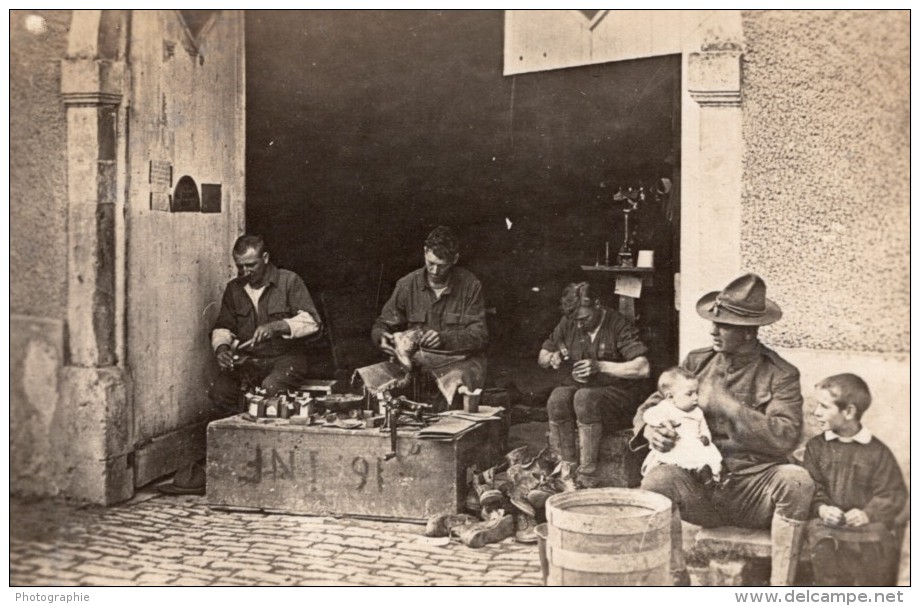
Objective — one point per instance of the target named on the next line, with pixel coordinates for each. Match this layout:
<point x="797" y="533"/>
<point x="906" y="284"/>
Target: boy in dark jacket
<point x="859" y="491"/>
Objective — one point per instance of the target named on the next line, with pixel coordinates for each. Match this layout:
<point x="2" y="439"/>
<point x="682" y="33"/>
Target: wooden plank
<point x="165" y="454"/>
<point x="616" y="269"/>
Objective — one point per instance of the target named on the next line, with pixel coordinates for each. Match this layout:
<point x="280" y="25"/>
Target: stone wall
<point x="826" y="217"/>
<point x="826" y="198"/>
<point x="38" y="167"/>
<point x="38" y="245"/>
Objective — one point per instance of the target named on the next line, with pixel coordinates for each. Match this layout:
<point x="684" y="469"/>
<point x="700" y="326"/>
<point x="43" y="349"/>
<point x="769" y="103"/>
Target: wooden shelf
<point x="619" y="270"/>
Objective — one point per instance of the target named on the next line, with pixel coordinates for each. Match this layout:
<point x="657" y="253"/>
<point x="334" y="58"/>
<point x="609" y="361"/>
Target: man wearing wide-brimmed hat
<point x="752" y="401"/>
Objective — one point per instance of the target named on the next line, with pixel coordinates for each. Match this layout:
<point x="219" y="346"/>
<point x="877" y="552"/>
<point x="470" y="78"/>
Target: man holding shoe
<point x="265" y="318"/>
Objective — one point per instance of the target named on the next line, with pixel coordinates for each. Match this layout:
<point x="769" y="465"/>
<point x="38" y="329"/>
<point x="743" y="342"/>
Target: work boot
<point x="471" y="501"/>
<point x="537" y="497"/>
<point x="442" y="524"/>
<point x="525" y="528"/>
<point x="488" y="496"/>
<point x="679" y="575"/>
<point x="562" y="440"/>
<point x="490" y="531"/>
<point x="589" y="435"/>
<point x="786" y="539"/>
<point x="524" y="506"/>
<point x="518" y="456"/>
<point x="564" y="477"/>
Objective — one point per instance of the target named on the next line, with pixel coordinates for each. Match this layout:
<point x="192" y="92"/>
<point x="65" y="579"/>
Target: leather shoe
<point x="525" y="529"/>
<point x="491" y="531"/>
<point x="442" y="524"/>
<point x="190" y="479"/>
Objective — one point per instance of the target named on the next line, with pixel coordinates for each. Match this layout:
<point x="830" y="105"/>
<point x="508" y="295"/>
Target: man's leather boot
<point x="562" y="440"/>
<point x="525" y="528"/>
<point x="489" y="494"/>
<point x="679" y="575"/>
<point x="564" y="477"/>
<point x="589" y="435"/>
<point x="786" y="538"/>
<point x="490" y="531"/>
<point x="442" y="524"/>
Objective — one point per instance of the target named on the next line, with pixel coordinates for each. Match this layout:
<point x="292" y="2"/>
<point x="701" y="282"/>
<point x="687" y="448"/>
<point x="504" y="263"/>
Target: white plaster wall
<point x="186" y="109"/>
<point x="826" y="198"/>
<point x="537" y="40"/>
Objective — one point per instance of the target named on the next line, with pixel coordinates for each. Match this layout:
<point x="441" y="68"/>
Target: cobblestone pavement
<point x="179" y="541"/>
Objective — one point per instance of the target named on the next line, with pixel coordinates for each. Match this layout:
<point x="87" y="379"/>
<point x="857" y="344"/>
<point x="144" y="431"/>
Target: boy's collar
<point x="863" y="436"/>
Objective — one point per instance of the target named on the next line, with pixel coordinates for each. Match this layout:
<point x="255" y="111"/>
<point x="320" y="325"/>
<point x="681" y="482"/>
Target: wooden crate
<point x="328" y="471"/>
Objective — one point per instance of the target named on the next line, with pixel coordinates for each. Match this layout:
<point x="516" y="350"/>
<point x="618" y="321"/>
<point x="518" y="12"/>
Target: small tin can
<point x="305" y="406"/>
<point x="256" y="406"/>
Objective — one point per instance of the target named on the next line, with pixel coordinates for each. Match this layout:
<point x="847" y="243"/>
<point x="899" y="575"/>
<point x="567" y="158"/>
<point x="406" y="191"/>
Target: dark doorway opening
<point x="365" y="129"/>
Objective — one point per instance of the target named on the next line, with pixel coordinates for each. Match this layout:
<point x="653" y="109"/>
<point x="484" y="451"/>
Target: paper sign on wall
<point x="628" y="286"/>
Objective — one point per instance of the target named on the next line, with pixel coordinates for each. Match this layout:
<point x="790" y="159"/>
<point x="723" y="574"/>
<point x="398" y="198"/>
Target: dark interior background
<point x="365" y="129"/>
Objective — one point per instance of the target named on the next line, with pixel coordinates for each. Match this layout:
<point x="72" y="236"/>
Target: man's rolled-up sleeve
<point x="302" y="325"/>
<point x="221" y="336"/>
<point x="299" y="298"/>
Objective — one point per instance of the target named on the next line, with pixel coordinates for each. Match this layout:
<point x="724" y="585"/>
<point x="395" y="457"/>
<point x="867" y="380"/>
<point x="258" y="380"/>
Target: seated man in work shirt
<point x="444" y="304"/>
<point x="603" y="359"/>
<point x="265" y="317"/>
<point x="267" y="313"/>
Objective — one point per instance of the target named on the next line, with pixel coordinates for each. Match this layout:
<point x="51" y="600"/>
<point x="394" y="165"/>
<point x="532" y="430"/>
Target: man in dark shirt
<point x="445" y="304"/>
<point x="266" y="315"/>
<point x="603" y="357"/>
<point x="752" y="401"/>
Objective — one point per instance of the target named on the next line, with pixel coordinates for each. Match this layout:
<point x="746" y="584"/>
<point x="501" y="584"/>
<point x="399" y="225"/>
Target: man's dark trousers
<point x="275" y="374"/>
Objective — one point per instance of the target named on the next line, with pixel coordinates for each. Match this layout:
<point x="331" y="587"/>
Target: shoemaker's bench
<point x="274" y="466"/>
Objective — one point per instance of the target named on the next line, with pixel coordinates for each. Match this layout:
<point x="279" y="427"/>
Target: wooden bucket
<point x="608" y="537"/>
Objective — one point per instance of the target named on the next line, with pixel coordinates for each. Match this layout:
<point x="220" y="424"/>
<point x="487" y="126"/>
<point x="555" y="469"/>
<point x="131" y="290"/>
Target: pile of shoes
<point x="508" y="499"/>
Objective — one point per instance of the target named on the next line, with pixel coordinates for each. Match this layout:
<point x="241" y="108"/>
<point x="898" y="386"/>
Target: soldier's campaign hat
<point x="743" y="302"/>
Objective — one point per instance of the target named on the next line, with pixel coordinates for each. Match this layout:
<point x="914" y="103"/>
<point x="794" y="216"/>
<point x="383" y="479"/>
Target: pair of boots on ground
<point x="786" y="538"/>
<point x="509" y="499"/>
<point x="582" y="456"/>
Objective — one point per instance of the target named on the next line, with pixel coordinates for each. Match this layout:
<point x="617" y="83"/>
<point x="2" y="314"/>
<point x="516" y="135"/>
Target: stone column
<point x="94" y="429"/>
<point x="711" y="213"/>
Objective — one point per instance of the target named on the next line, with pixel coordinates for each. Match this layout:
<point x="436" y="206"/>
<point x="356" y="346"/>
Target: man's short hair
<point x="671" y="377"/>
<point x="847" y="389"/>
<point x="247" y="242"/>
<point x="575" y="296"/>
<point x="442" y="243"/>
